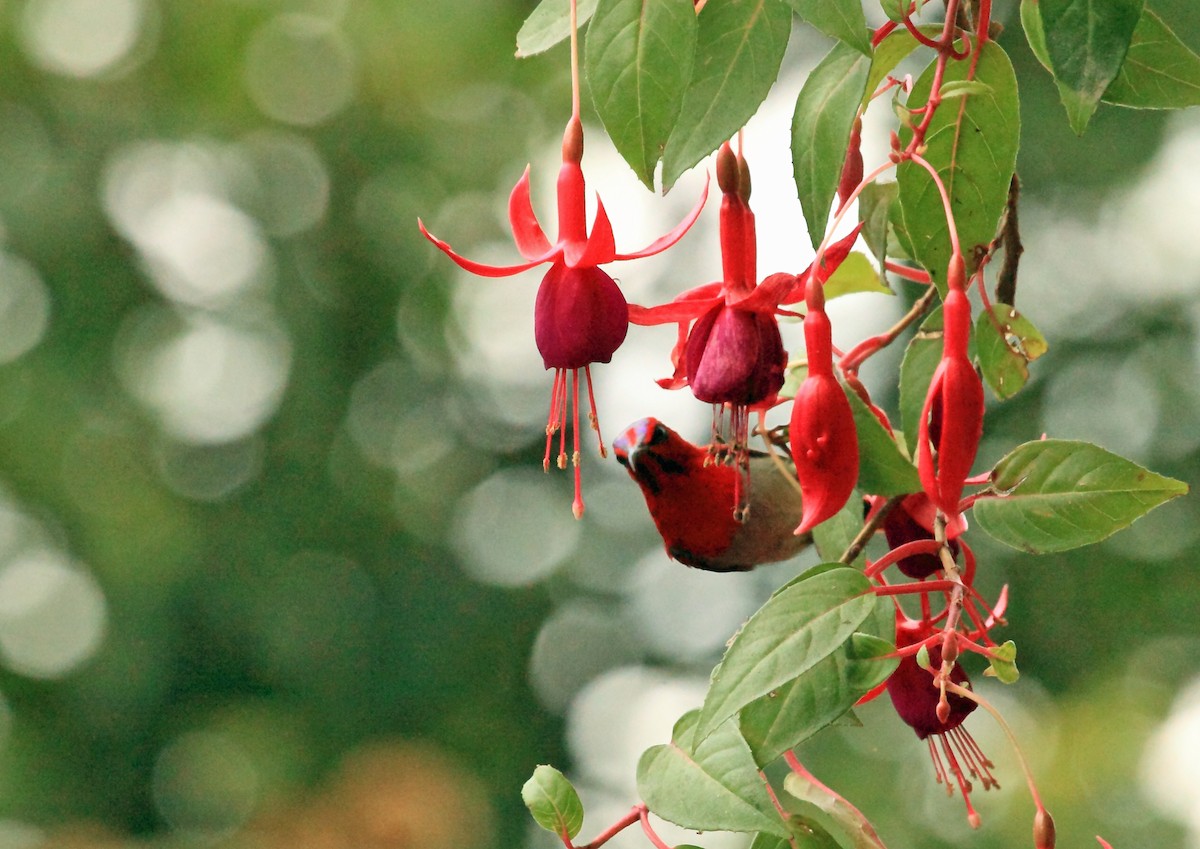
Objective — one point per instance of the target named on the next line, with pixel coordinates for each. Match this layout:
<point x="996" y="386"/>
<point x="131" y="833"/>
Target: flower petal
<point x="766" y="296"/>
<point x="527" y="232"/>
<point x="663" y="242"/>
<point x="691" y="304"/>
<point x="478" y="267"/>
<point x="600" y="247"/>
<point x="835" y="254"/>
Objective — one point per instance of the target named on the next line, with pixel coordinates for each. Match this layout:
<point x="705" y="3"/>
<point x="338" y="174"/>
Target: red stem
<point x="616" y="828"/>
<point x="644" y="816"/>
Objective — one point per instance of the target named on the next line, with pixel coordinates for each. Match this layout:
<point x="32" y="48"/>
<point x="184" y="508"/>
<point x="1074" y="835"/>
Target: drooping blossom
<point x="917" y="697"/>
<point x="580" y="316"/>
<point x="951" y="422"/>
<point x="823" y="438"/>
<point x="729" y="350"/>
<point x="911" y="520"/>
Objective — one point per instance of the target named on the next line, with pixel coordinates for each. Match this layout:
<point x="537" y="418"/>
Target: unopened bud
<point x="572" y="147"/>
<point x="727" y="170"/>
<point x="1043" y="830"/>
<point x="743" y="178"/>
<point x="943" y="709"/>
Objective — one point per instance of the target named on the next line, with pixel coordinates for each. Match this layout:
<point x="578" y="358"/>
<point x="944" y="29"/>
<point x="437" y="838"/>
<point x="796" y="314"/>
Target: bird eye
<point x="659" y="434"/>
<point x="622" y="458"/>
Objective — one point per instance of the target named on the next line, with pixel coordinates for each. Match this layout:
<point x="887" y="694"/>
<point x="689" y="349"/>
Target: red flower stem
<point x="1008" y="732"/>
<point x="883" y="32"/>
<point x="945" y="48"/>
<point x="916" y="275"/>
<point x="923" y="588"/>
<point x="575" y="111"/>
<point x="983" y="24"/>
<point x="644" y="816"/>
<point x="920" y="36"/>
<point x="941" y="187"/>
<point x="917" y="546"/>
<point x="635" y="813"/>
<point x="841" y="213"/>
<point x="869" y="347"/>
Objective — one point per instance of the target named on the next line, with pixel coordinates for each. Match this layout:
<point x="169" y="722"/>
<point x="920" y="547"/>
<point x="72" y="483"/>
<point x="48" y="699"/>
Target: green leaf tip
<point x="1057" y="494"/>
<point x="1003" y="663"/>
<point x="553" y="802"/>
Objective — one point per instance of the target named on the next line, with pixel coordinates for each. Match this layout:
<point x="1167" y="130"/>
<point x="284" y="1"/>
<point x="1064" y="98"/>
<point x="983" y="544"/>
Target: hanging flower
<point x="729" y="349"/>
<point x="917" y="697"/>
<point x="580" y="316"/>
<point x="911" y="520"/>
<point x="951" y="422"/>
<point x="823" y="438"/>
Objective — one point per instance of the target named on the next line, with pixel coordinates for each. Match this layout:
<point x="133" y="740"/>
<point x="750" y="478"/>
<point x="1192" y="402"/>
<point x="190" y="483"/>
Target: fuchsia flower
<point x="823" y="438"/>
<point x="580" y="316"/>
<point x="952" y="419"/>
<point x="729" y="349"/>
<point x="916" y="696"/>
<point x="911" y="520"/>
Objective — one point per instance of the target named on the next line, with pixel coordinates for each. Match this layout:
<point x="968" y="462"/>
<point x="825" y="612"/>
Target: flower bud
<point x="1044" y="834"/>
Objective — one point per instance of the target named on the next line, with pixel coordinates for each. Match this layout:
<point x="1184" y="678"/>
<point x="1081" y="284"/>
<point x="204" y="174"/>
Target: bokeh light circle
<point x="514" y="528"/>
<point x="24" y="307"/>
<point x="205" y="785"/>
<point x="52" y="614"/>
<point x="299" y="70"/>
<point x="81" y="38"/>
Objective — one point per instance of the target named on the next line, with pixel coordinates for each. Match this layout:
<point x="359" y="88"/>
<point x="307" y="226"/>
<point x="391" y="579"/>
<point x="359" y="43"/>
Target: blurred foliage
<point x="289" y="647"/>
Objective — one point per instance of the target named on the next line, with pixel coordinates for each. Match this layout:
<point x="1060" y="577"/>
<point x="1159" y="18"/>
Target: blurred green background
<point x="278" y="564"/>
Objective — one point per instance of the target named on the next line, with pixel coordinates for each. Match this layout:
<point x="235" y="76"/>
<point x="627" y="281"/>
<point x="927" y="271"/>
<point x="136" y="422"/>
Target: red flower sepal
<point x="822" y="435"/>
<point x="952" y="418"/>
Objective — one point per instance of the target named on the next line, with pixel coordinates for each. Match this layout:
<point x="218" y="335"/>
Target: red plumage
<point x="690" y="494"/>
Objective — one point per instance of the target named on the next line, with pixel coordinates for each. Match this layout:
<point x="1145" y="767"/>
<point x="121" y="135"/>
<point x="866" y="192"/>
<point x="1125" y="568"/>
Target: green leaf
<point x="1086" y="42"/>
<point x="788" y="716"/>
<point x="972" y="144"/>
<point x="882" y="467"/>
<point x="821" y="123"/>
<point x="845" y="815"/>
<point x="553" y="802"/>
<point x="1006" y="343"/>
<point x="840" y="19"/>
<point x="638" y="63"/>
<point x="921" y="359"/>
<point x="898" y="9"/>
<point x="1003" y="663"/>
<point x="796" y="629"/>
<point x="855" y="274"/>
<point x="960" y="88"/>
<point x="807" y="833"/>
<point x="549" y="24"/>
<point x="739" y="47"/>
<point x="833" y="536"/>
<point x="1055" y="494"/>
<point x="710" y="786"/>
<point x="874" y="211"/>
<point x="1159" y="71"/>
<point x="792" y="378"/>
